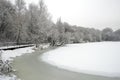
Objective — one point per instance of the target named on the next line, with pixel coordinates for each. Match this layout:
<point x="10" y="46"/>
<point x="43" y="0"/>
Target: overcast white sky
<point x="87" y="13"/>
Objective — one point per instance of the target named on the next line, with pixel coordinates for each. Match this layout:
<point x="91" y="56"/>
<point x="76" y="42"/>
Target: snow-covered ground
<point x="9" y="55"/>
<point x="100" y="58"/>
<point x="4" y="77"/>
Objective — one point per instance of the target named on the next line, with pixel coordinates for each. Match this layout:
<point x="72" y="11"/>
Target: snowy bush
<point x="5" y="66"/>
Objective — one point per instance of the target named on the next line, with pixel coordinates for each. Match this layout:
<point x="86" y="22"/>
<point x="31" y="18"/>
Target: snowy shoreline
<point x="10" y="55"/>
<point x="100" y="58"/>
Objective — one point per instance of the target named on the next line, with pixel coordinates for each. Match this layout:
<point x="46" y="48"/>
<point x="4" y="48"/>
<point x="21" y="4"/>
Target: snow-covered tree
<point x="107" y="34"/>
<point x="20" y="21"/>
<point x="117" y="35"/>
<point x="7" y="13"/>
<point x="39" y="22"/>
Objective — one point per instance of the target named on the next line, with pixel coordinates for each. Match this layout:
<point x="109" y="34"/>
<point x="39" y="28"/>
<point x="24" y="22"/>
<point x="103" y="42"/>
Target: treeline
<point x="33" y="24"/>
<point x="22" y="24"/>
<point x="76" y="34"/>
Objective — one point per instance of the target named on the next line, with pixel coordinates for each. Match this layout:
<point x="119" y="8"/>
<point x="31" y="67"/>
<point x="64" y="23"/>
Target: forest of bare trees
<point x="33" y="24"/>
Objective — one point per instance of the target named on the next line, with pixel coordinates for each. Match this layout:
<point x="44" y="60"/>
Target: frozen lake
<point x="31" y="67"/>
<point x="101" y="58"/>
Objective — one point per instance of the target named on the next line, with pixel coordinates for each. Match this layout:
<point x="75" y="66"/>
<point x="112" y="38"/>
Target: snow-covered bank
<point x="16" y="46"/>
<point x="9" y="55"/>
<point x="100" y="58"/>
<point x="4" y="77"/>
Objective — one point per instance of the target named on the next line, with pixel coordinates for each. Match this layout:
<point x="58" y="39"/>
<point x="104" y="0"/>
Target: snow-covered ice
<point x="100" y="58"/>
